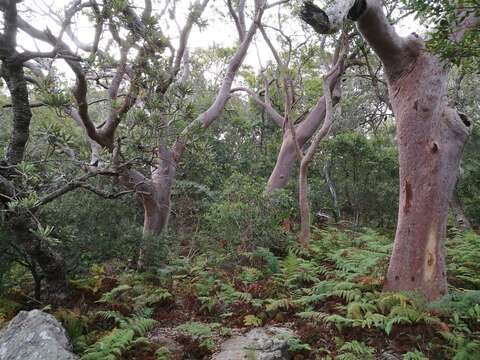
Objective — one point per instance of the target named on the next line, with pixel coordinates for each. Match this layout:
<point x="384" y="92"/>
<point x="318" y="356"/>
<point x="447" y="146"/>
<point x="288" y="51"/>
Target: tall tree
<point x="430" y="134"/>
<point x="295" y="136"/>
<point x="147" y="75"/>
<point x="20" y="221"/>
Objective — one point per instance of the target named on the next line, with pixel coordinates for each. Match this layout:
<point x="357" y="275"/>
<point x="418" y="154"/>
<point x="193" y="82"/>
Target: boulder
<point x="268" y="343"/>
<point x="35" y="335"/>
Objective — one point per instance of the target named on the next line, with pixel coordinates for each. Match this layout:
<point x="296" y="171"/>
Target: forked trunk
<point x="430" y="136"/>
<point x="304" y="131"/>
<point x="285" y="160"/>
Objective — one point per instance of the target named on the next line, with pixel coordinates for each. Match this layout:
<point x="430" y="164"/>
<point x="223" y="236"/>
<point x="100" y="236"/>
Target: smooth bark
<point x="431" y="136"/>
<point x="303" y="198"/>
<point x="304" y="131"/>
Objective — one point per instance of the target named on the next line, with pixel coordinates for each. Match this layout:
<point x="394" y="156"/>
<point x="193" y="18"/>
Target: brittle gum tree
<point x="430" y="134"/>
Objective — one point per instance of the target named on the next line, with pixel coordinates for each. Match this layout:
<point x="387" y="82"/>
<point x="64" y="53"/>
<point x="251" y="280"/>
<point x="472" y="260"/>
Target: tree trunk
<point x="304" y="131"/>
<point x="461" y="219"/>
<point x="304" y="203"/>
<point x="303" y="199"/>
<point x="51" y="262"/>
<point x="14" y="76"/>
<point x="283" y="168"/>
<point x="430" y="136"/>
<point x="20" y="223"/>
<point x="156" y="204"/>
<point x="37" y="279"/>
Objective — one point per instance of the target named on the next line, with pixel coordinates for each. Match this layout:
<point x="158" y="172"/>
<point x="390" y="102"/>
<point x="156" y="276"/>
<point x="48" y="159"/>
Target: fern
<point x="252" y="320"/>
<point x="163" y="353"/>
<point x="130" y="333"/>
<point x="279" y="304"/>
<point x="464" y="259"/>
<point x="296" y="271"/>
<point x="414" y="355"/>
<point x="355" y="350"/>
<point x="75" y="325"/>
<point x="112" y="295"/>
<point x="110" y="347"/>
<point x="150" y="298"/>
<point x="462" y="347"/>
<point x="200" y="330"/>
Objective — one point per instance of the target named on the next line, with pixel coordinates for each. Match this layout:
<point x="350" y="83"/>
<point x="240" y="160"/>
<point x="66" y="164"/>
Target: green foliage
<point x="102" y="238"/>
<point x="355" y="350"/>
<point x="130" y="332"/>
<point x="245" y="217"/>
<point x="162" y="354"/>
<point x="113" y="295"/>
<point x="76" y="326"/>
<point x="295" y="344"/>
<point x="7" y="309"/>
<point x="252" y="320"/>
<point x="202" y="331"/>
<point x="446" y="18"/>
<point x="364" y="172"/>
<point x="463" y="254"/>
<point x="414" y="355"/>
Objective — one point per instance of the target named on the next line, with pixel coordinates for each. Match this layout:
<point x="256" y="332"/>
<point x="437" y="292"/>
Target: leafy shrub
<point x="244" y="216"/>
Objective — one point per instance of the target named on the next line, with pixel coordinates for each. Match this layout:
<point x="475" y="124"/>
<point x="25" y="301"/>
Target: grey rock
<point x="269" y="343"/>
<point x="164" y="337"/>
<point x="35" y="335"/>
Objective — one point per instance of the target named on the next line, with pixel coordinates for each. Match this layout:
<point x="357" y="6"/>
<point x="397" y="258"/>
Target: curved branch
<point x="274" y="115"/>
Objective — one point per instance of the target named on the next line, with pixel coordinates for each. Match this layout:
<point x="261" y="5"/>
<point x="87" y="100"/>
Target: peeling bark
<point x="17" y="85"/>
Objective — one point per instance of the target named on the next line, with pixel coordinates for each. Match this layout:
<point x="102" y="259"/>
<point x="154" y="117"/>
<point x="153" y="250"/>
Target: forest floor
<point x="329" y="294"/>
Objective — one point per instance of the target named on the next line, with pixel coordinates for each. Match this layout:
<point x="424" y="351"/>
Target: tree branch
<point x="275" y="116"/>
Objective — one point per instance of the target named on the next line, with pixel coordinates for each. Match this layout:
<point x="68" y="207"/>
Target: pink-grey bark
<point x="286" y="157"/>
<point x="431" y="136"/>
<point x="306" y="159"/>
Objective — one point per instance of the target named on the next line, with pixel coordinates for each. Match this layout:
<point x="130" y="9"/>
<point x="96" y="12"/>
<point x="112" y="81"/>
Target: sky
<point x="220" y="30"/>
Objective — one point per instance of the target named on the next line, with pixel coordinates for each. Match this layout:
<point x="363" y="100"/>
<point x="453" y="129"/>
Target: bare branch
<point x="275" y="116"/>
<point x="194" y="15"/>
<point x="239" y="18"/>
<point x="70" y="186"/>
<point x="276" y="3"/>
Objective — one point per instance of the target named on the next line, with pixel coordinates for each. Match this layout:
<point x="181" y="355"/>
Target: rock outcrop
<point x="35" y="335"/>
<point x="269" y="343"/>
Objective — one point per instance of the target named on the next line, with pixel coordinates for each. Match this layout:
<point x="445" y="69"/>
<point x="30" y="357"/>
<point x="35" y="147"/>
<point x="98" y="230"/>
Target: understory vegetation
<point x="329" y="293"/>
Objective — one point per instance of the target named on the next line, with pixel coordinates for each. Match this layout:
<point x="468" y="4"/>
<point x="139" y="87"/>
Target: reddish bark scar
<point x="408" y="197"/>
<point x="430" y="259"/>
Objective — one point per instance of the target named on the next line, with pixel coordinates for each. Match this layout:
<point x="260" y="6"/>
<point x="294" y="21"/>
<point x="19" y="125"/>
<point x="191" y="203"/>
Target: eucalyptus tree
<point x="297" y="132"/>
<point x="141" y="86"/>
<point x="430" y="133"/>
